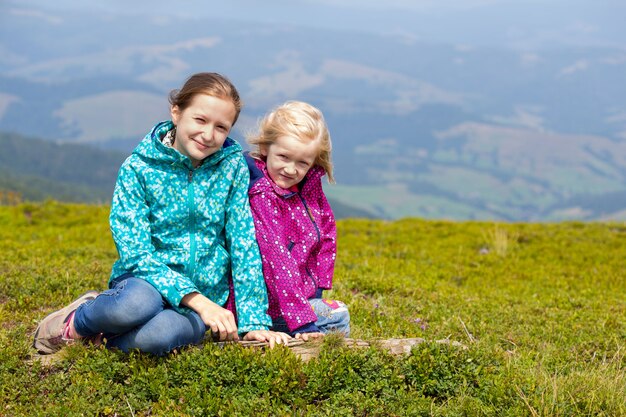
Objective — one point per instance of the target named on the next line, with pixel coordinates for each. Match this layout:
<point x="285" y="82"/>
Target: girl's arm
<point x="250" y="290"/>
<point x="279" y="268"/>
<point x="328" y="234"/>
<point x="130" y="227"/>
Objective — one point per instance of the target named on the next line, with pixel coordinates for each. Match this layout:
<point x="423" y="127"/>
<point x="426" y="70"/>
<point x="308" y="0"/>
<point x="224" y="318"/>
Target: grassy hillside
<point x="540" y="307"/>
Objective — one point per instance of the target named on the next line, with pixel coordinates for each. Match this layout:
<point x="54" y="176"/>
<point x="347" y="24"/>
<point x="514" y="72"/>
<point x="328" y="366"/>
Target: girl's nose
<point x="207" y="133"/>
<point x="290" y="168"/>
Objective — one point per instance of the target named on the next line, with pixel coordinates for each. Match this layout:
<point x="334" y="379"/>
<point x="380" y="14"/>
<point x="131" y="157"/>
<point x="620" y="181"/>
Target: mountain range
<point x="517" y="131"/>
<point x="34" y="169"/>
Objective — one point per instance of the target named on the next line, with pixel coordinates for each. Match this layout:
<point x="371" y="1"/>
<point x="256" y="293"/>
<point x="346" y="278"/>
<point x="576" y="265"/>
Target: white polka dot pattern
<point x="296" y="232"/>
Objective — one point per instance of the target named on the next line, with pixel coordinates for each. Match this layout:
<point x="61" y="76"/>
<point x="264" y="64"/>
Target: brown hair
<point x="300" y="120"/>
<point x="210" y="83"/>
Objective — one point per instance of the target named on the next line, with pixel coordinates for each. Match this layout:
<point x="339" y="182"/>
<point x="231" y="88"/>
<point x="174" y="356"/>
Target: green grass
<point x="541" y="308"/>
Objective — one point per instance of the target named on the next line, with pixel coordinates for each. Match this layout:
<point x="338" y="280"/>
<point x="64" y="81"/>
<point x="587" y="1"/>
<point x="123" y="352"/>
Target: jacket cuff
<point x="176" y="298"/>
<point x="307" y="328"/>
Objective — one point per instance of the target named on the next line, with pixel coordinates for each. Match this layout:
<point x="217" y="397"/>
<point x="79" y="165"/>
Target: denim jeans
<point x="332" y="316"/>
<point x="133" y="315"/>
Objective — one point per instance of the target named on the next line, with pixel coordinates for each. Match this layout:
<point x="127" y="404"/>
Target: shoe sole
<point x="43" y="345"/>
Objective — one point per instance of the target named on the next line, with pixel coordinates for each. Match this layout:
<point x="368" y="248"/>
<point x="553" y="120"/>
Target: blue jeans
<point x="134" y="315"/>
<point x="332" y="316"/>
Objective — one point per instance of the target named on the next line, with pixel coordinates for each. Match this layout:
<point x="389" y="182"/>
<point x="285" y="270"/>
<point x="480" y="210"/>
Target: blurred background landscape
<point x="476" y="109"/>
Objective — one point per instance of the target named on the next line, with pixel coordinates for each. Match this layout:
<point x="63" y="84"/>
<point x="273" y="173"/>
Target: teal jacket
<point x="189" y="230"/>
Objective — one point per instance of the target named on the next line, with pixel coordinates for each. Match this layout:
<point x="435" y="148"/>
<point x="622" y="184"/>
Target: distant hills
<point x="425" y="129"/>
<point x="37" y="170"/>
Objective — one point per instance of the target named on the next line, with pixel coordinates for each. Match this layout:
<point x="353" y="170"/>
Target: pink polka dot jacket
<point x="297" y="237"/>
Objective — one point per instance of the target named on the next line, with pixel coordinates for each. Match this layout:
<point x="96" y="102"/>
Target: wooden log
<point x="311" y="349"/>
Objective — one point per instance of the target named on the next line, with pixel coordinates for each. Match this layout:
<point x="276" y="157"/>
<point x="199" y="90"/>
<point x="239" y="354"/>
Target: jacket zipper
<point x="192" y="225"/>
<point x="317" y="230"/>
<point x="308" y="212"/>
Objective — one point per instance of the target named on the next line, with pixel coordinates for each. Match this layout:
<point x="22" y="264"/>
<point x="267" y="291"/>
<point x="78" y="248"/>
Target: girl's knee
<point x="330" y="308"/>
<point x="128" y="304"/>
<point x="140" y="298"/>
<point x="333" y="316"/>
<point x="170" y="330"/>
<point x="341" y="319"/>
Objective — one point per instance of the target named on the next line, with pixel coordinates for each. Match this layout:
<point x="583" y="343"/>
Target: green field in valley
<point x="540" y="309"/>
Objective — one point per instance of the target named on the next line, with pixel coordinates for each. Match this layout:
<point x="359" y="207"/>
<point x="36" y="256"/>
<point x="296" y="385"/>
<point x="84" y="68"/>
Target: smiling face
<point x="203" y="126"/>
<point x="289" y="159"/>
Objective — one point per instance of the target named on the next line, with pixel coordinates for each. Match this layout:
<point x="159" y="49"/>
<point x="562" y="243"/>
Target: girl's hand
<point x="306" y="336"/>
<point x="269" y="336"/>
<point x="220" y="320"/>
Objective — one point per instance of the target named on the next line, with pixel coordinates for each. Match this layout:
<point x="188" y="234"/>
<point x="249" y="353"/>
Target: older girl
<point x="181" y="223"/>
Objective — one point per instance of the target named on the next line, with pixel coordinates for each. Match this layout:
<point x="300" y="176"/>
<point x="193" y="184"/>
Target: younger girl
<point x="181" y="223"/>
<point x="295" y="226"/>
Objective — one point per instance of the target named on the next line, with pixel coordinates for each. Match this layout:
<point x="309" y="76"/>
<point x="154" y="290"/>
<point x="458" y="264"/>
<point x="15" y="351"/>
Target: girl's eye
<point x="198" y="119"/>
<point x="303" y="164"/>
<point x="283" y="157"/>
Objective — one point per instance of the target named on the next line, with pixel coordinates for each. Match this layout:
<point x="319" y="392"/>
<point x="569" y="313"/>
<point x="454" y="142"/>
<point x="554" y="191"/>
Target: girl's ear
<point x="175" y="113"/>
<point x="263" y="150"/>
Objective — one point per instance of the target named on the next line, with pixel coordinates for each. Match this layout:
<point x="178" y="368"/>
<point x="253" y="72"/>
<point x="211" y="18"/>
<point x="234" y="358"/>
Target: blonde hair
<point x="299" y="120"/>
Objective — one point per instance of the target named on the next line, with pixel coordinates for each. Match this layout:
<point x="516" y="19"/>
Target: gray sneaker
<point x="49" y="334"/>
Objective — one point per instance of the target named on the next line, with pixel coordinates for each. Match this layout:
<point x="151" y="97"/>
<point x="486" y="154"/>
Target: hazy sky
<point x="510" y="23"/>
